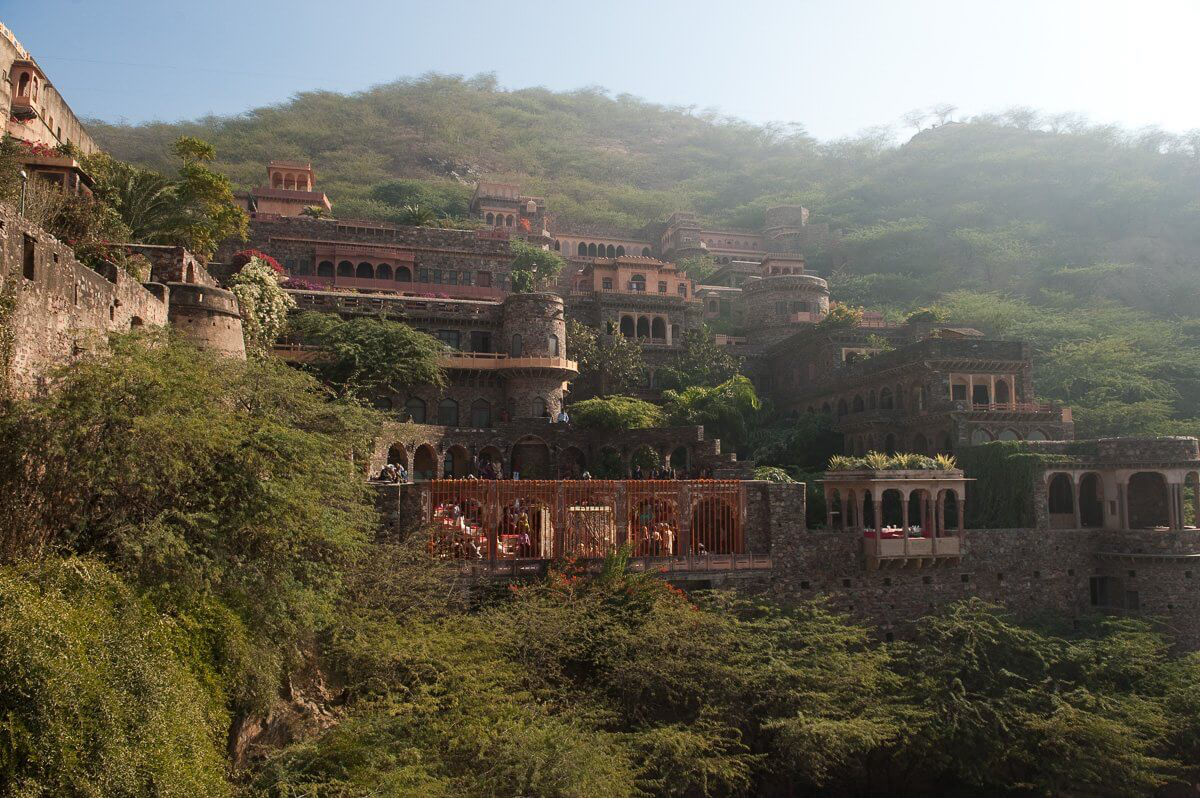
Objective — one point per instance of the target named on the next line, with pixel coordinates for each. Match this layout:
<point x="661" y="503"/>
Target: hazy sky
<point x="835" y="67"/>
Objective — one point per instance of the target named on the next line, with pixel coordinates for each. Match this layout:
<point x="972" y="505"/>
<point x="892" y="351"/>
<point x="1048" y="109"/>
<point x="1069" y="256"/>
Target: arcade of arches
<point x="1123" y="498"/>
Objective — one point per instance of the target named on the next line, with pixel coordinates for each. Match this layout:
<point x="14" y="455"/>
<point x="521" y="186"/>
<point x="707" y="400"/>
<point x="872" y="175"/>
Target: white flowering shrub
<point x="264" y="303"/>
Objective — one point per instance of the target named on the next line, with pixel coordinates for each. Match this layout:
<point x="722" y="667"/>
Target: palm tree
<point x="314" y="212"/>
<point x="417" y="216"/>
<point x="148" y="203"/>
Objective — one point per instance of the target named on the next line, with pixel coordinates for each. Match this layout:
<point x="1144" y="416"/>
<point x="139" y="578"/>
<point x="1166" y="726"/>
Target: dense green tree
<point x="726" y="410"/>
<point x="200" y="478"/>
<point x="94" y="697"/>
<point x="369" y="355"/>
<point x="608" y="363"/>
<point x="616" y="413"/>
<point x="700" y="362"/>
<point x="534" y="268"/>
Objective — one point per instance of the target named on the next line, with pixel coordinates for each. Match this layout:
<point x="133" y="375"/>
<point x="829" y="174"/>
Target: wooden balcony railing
<point x="492" y="361"/>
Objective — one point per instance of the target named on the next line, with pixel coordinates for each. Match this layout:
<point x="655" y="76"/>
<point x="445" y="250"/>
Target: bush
<point x="93" y="697"/>
<point x="615" y="413"/>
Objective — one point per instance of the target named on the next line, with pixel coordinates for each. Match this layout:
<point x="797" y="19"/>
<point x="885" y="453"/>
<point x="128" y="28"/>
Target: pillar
<point x="962" y="513"/>
<point x="991" y="389"/>
<point x="939" y="522"/>
<point x="829" y="510"/>
<point x="877" y="505"/>
<point x="904" y="512"/>
<point x="1122" y="503"/>
<point x="1075" y="502"/>
<point x="970" y="391"/>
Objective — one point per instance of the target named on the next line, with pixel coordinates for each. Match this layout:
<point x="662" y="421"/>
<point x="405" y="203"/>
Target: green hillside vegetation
<point x="1083" y="239"/>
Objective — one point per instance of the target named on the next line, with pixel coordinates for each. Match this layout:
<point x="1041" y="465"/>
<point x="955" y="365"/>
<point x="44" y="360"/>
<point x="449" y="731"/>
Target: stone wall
<point x="207" y="316"/>
<point x="170" y="264"/>
<point x="56" y="307"/>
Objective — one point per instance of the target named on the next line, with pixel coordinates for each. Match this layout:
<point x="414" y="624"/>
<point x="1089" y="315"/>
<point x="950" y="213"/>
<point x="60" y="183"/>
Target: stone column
<point x="904" y="512"/>
<point x="1122" y="504"/>
<point x="939" y="523"/>
<point x="1075" y="501"/>
<point x="829" y="510"/>
<point x="970" y="391"/>
<point x="962" y="514"/>
<point x="877" y="505"/>
<point x="992" y="389"/>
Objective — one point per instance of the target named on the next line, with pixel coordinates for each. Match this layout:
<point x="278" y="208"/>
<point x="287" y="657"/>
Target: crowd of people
<point x="490" y="469"/>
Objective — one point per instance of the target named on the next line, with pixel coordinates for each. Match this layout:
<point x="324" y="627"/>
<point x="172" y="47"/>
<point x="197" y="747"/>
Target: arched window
<point x="515" y="349"/>
<point x="627" y="328"/>
<point x="490" y="218"/>
<point x="325" y="269"/>
<point x="712" y="306"/>
<point x="289" y="183"/>
<point x="643" y="327"/>
<point x="638" y="283"/>
<point x="508" y="220"/>
<point x="645" y="252"/>
<point x="448" y="413"/>
<point x="871" y="400"/>
<point x="383" y="272"/>
<point x="1061" y="495"/>
<point x="885" y="399"/>
<point x="557" y="245"/>
<point x="591" y="250"/>
<point x="582" y="248"/>
<point x="842" y="407"/>
<point x="277" y="180"/>
<point x="345" y="269"/>
<point x="23" y="85"/>
<point x="364" y="271"/>
<point x="415" y="409"/>
<point x="979" y="436"/>
<point x="620" y="251"/>
<point x="858" y="404"/>
<point x="611" y="251"/>
<point x="1003" y="395"/>
<point x="403" y="274"/>
<point x="1009" y="435"/>
<point x="1037" y="435"/>
<point x="481" y="414"/>
<point x="539" y="408"/>
<point x="658" y="329"/>
<point x="552" y="344"/>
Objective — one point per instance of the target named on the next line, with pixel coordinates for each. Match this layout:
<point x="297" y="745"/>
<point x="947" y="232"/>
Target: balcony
<point x="906" y="550"/>
<point x="494" y="361"/>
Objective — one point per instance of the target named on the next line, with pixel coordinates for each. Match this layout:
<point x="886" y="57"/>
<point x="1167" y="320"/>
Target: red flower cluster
<point x="243" y="257"/>
<point x="39" y="150"/>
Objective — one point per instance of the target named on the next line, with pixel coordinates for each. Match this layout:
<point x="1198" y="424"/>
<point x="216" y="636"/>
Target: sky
<point x="836" y="67"/>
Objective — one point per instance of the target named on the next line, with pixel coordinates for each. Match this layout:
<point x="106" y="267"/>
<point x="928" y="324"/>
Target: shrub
<point x="615" y="413"/>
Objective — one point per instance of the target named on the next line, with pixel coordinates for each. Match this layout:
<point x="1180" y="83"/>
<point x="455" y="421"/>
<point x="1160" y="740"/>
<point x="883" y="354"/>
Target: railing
<point x="667" y="566"/>
<point x="488" y="361"/>
<point x="804" y="318"/>
<point x="1014" y="407"/>
<point x="493" y="520"/>
<point x="901" y="549"/>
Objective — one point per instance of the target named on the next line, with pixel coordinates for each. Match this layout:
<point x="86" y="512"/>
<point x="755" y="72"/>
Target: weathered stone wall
<point x="169" y="264"/>
<point x="207" y="316"/>
<point x="55" y="308"/>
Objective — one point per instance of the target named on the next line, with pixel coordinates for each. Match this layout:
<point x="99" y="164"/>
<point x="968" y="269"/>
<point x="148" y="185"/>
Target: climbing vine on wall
<point x="1004" y="473"/>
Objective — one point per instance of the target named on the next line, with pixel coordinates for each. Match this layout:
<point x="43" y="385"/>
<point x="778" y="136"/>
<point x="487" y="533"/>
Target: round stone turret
<point x="534" y="339"/>
<point x="207" y="316"/>
<point x="776" y="305"/>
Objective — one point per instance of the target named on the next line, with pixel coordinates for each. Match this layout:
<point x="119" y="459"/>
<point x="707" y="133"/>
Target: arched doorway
<point x="571" y="463"/>
<point x="679" y="459"/>
<point x="531" y="459"/>
<point x="980" y="436"/>
<point x="397" y="455"/>
<point x="950" y="510"/>
<point x="608" y="465"/>
<point x="345" y="269"/>
<point x="383" y="272"/>
<point x="403" y="274"/>
<point x="1091" y="501"/>
<point x="424" y="463"/>
<point x="493" y="455"/>
<point x="714" y="528"/>
<point x="627" y="329"/>
<point x="654" y="527"/>
<point x="643" y="327"/>
<point x="1003" y="394"/>
<point x="658" y="329"/>
<point x="456" y="463"/>
<point x="1149" y="501"/>
<point x="1060" y="498"/>
<point x="644" y="459"/>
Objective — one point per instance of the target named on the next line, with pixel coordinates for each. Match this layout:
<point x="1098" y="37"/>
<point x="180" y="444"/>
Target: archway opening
<point x="1003" y="394"/>
<point x="627" y="328"/>
<point x="571" y="463"/>
<point x="345" y="269"/>
<point x="493" y="455"/>
<point x="424" y="463"/>
<point x="608" y="464"/>
<point x="414" y="408"/>
<point x="658" y="329"/>
<point x="448" y="413"/>
<point x="643" y="327"/>
<point x="456" y="463"/>
<point x="1060" y="498"/>
<point x="1149" y="500"/>
<point x="364" y="271"/>
<point x="481" y="414"/>
<point x="679" y="460"/>
<point x="383" y="272"/>
<point x="1091" y="501"/>
<point x="325" y="268"/>
<point x="531" y="459"/>
<point x="643" y="462"/>
<point x="654" y="527"/>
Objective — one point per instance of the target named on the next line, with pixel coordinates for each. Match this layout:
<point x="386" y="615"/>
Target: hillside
<point x="1084" y="240"/>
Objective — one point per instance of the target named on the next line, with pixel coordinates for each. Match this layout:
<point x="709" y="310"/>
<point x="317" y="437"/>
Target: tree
<point x="698" y="267"/>
<point x="725" y="410"/>
<point x="264" y="304"/>
<point x="534" y="268"/>
<point x="315" y="211"/>
<point x="700" y="361"/>
<point x="205" y="200"/>
<point x="616" y="413"/>
<point x="417" y="216"/>
<point x="840" y="317"/>
<point x="366" y="356"/>
<point x="607" y="363"/>
<point x="225" y="489"/>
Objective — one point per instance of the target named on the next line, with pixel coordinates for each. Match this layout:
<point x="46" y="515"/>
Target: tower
<point x="534" y="339"/>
